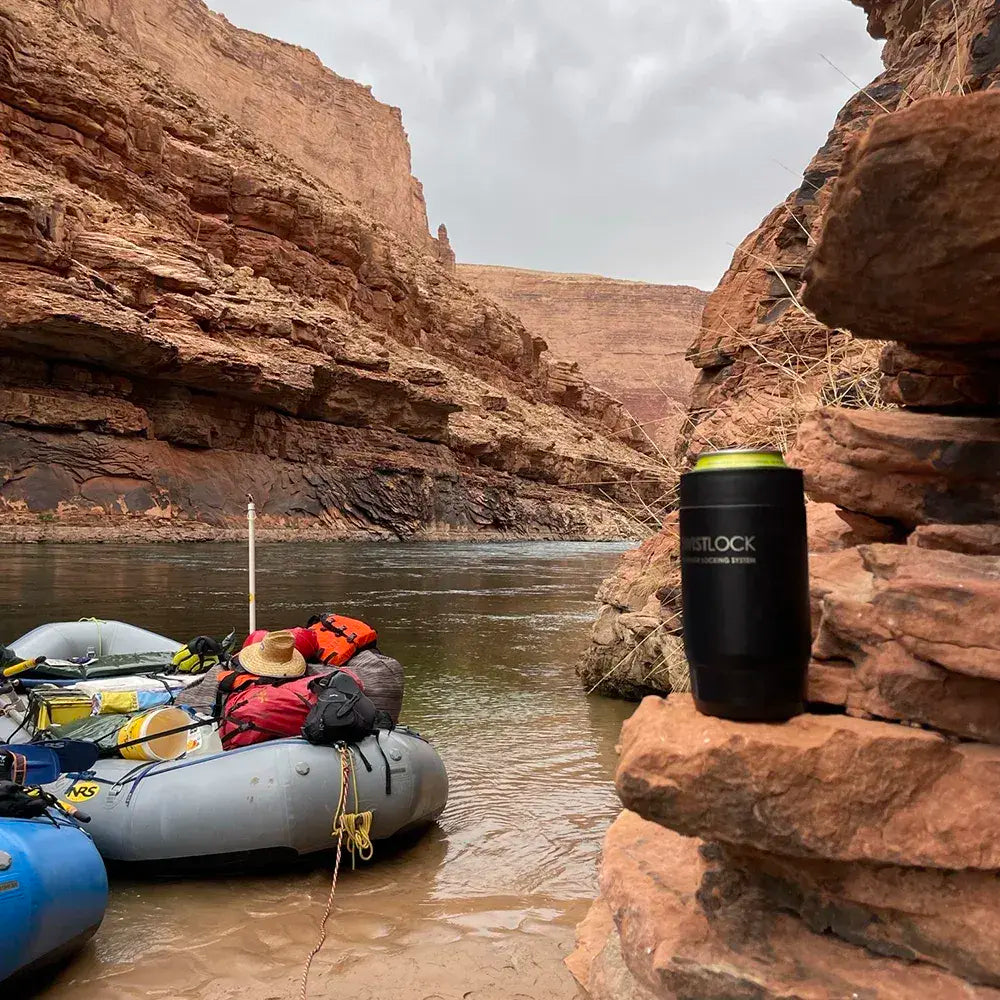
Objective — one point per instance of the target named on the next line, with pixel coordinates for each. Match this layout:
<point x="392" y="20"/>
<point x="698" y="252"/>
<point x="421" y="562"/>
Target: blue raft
<point x="53" y="892"/>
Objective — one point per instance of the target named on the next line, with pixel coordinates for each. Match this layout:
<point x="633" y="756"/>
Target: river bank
<point x="485" y="905"/>
<point x="31" y="530"/>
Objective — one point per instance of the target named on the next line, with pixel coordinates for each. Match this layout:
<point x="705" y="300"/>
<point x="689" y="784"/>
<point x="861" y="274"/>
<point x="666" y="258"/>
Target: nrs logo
<point x="720" y="543"/>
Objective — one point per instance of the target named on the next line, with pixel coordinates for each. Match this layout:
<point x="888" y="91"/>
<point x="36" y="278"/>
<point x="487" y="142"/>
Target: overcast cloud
<point x="632" y="138"/>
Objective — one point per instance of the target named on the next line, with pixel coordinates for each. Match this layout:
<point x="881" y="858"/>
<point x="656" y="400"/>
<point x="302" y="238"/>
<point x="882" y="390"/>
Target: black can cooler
<point x="745" y="584"/>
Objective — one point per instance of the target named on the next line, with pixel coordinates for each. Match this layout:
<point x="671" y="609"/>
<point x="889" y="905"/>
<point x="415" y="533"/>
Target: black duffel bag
<point x="343" y="713"/>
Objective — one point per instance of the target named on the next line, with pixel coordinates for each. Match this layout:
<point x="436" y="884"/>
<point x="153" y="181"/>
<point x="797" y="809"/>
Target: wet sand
<point x="489" y="948"/>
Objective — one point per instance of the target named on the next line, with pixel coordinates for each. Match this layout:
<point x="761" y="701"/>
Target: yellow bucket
<point x="149" y="728"/>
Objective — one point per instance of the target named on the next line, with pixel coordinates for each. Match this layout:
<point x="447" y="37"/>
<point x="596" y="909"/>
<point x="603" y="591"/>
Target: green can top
<point x="739" y="458"/>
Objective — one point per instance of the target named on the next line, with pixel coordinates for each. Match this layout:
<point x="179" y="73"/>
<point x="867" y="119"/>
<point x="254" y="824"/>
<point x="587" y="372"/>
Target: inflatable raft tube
<point x="66" y="640"/>
<point x="53" y="892"/>
<point x="93" y="649"/>
<point x="272" y="800"/>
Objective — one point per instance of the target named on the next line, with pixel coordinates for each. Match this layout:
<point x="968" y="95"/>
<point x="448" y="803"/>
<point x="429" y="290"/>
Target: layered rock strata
<point x="852" y="852"/>
<point x="754" y="911"/>
<point x="330" y="126"/>
<point x="628" y="337"/>
<point x="187" y="316"/>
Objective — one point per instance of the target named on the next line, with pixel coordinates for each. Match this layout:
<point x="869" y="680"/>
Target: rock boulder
<point x="755" y="785"/>
<point x="908" y="250"/>
<point x="690" y="930"/>
<point x="912" y="468"/>
<point x="920" y="628"/>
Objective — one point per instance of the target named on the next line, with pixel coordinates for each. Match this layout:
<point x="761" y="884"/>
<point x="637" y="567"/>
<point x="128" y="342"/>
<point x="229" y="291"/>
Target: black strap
<point x="388" y="770"/>
<point x="169" y="732"/>
<point x="350" y="700"/>
<point x="337" y="629"/>
<point x="246" y="725"/>
<point x="227" y="685"/>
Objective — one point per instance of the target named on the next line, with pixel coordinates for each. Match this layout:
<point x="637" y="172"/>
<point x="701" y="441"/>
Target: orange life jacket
<point x="339" y="638"/>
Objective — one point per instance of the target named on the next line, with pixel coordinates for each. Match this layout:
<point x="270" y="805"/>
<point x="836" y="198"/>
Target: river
<point x="483" y="905"/>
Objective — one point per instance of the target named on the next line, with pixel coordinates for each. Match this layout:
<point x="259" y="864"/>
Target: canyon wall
<point x="628" y="337"/>
<point x="766" y="362"/>
<point x="331" y="126"/>
<point x="850" y="852"/>
<point x="186" y="315"/>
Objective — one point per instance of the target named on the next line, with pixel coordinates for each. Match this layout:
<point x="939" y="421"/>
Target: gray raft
<point x="65" y="640"/>
<point x="274" y="799"/>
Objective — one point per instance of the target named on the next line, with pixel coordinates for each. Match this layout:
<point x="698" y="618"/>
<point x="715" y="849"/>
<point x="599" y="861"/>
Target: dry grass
<point x="823" y="368"/>
<point x="831" y="368"/>
<point x="852" y="378"/>
<point x="856" y="86"/>
<point x="947" y="76"/>
<point x="960" y="57"/>
<point x="837" y="370"/>
<point x="647" y="516"/>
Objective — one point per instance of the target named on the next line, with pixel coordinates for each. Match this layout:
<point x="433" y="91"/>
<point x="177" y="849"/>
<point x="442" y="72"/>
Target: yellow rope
<point x="100" y="642"/>
<point x="356" y="827"/>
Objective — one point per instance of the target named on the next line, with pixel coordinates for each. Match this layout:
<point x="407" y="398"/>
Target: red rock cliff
<point x="329" y="125"/>
<point x="851" y="851"/>
<point x="628" y="337"/>
<point x="765" y="360"/>
<point x="186" y="315"/>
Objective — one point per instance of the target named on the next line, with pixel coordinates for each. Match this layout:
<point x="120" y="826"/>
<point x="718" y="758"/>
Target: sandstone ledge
<point x="913" y="468"/>
<point x="920" y="627"/>
<point x="944" y="918"/>
<point x="818" y="786"/>
<point x="685" y="933"/>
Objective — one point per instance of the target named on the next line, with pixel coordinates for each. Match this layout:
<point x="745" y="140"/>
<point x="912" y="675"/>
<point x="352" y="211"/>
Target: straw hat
<point x="274" y="656"/>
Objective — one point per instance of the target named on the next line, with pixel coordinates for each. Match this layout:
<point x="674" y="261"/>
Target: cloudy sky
<point x="632" y="138"/>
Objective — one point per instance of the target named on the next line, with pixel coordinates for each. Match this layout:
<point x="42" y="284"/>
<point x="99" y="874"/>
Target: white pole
<point x="251" y="518"/>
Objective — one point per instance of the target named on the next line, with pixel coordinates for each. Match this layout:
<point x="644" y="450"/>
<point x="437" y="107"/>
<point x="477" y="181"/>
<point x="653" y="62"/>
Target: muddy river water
<point x="483" y="905"/>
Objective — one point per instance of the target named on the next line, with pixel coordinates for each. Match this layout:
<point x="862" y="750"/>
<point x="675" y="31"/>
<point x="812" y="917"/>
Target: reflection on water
<point x="488" y="635"/>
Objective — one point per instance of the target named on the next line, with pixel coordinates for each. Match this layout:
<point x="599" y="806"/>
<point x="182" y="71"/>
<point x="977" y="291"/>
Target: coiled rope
<point x="356" y="827"/>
